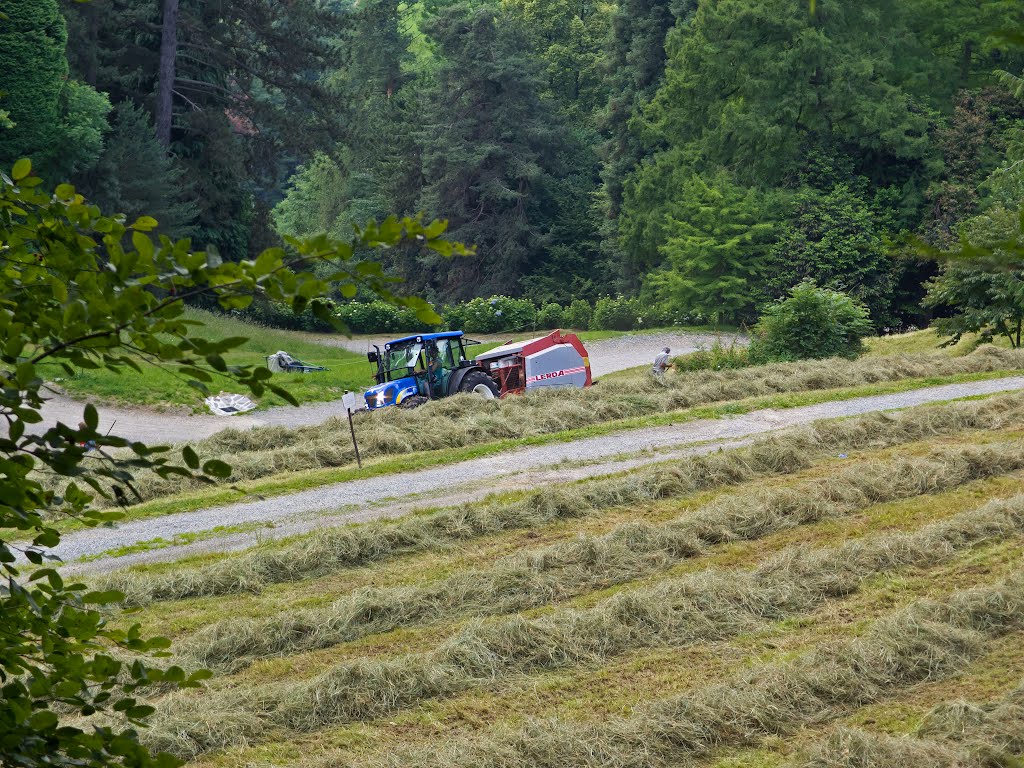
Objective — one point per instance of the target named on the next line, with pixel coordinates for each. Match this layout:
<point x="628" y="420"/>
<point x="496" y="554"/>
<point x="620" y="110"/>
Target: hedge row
<point x="497" y="314"/>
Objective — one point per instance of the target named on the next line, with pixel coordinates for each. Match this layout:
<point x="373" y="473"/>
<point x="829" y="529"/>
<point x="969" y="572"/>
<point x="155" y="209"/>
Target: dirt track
<point x="157" y="427"/>
<point x="390" y="495"/>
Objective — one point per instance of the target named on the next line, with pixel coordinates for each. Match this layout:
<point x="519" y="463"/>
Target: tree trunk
<point x="165" y="81"/>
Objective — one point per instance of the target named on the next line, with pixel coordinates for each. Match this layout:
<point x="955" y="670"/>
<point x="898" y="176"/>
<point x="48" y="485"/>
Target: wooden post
<point x="349" y="401"/>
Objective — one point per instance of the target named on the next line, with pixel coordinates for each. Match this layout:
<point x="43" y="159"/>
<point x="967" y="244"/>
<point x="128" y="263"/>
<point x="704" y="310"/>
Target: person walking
<point x="662" y="363"/>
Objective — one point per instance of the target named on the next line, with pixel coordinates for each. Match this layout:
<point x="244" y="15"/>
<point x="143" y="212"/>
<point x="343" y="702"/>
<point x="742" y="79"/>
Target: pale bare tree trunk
<point x="165" y="78"/>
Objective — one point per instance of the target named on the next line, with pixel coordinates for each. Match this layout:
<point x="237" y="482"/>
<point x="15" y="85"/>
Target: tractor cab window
<point x="399" y="361"/>
<point x="448" y="353"/>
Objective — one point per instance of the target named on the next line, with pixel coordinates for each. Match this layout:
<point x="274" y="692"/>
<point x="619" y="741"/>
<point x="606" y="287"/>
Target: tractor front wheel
<point x="480" y="384"/>
<point x="412" y="402"/>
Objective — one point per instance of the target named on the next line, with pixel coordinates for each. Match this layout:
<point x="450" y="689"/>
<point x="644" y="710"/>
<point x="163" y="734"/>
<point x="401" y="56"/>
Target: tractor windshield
<point x="401" y="359"/>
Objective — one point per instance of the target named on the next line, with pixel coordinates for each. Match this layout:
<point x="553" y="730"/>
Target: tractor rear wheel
<point x="412" y="402"/>
<point x="480" y="384"/>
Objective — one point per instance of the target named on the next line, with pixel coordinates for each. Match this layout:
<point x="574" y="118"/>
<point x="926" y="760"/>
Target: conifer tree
<point x="490" y="146"/>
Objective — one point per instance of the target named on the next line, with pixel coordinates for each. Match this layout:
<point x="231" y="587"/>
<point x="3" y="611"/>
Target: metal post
<point x="349" y="400"/>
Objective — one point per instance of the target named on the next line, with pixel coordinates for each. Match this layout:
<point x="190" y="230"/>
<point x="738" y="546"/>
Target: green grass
<point x="178" y="540"/>
<point x="160" y="387"/>
<point x="285" y="483"/>
<point x="925" y="341"/>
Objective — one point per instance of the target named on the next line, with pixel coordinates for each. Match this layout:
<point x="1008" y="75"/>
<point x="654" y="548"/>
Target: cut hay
<point x="335" y="549"/>
<point x="952" y="735"/>
<point x="926" y="641"/>
<point x="699" y="608"/>
<point x="465" y="420"/>
<point x="533" y="578"/>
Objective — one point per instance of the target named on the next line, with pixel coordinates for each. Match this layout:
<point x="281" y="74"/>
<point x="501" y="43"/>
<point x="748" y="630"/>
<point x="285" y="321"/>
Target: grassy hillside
<point x="774" y="605"/>
<point x="160" y="387"/>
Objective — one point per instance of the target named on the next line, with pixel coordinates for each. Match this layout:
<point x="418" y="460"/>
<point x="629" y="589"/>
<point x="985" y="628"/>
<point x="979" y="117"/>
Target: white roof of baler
<point x="504" y="350"/>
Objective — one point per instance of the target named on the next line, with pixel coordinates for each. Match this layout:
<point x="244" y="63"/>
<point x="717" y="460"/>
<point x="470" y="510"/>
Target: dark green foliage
<point x="379" y="317"/>
<point x="498" y="313"/>
<point x="813" y="323"/>
<point x="57" y="122"/>
<point x="33" y="67"/>
<point x="752" y="85"/>
<point x="717" y="358"/>
<point x="491" y="148"/>
<point x="715" y="238"/>
<point x="550" y="316"/>
<point x="578" y="315"/>
<point x="248" y="97"/>
<point x="615" y="314"/>
<point x="133" y="175"/>
<point x="981" y="283"/>
<point x="833" y="239"/>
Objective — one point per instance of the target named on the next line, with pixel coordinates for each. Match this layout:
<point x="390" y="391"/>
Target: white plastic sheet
<point x="226" y="404"/>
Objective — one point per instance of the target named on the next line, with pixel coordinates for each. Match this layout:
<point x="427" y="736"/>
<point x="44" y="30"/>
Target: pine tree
<point x="717" y="238"/>
<point x="33" y="68"/>
<point x="490" y="146"/>
<point x="134" y="176"/>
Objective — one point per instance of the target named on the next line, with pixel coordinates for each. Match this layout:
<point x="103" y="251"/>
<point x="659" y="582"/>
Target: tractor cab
<point x="414" y="369"/>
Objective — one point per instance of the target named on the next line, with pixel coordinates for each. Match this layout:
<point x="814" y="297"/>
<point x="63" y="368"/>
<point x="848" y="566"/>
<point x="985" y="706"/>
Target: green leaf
<point x="43" y="720"/>
<point x="22" y="168"/>
<point x="191" y="457"/>
<point x="91" y="417"/>
<point x="142" y="244"/>
<point x="145" y="224"/>
<point x="103" y="598"/>
<point x="217" y="468"/>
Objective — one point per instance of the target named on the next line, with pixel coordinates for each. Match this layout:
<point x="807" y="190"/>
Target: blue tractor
<point x="415" y="369"/>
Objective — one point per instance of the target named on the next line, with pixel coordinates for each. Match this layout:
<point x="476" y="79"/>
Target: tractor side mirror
<point x="373" y="357"/>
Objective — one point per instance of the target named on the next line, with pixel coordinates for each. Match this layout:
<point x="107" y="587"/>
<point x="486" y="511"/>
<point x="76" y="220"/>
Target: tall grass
<point x="708" y="606"/>
<point x="928" y="640"/>
<point x="465" y="420"/>
<point x="335" y="549"/>
<point x="529" y="579"/>
<point x="952" y="735"/>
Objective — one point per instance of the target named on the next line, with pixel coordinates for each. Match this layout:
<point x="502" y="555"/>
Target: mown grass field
<point x="277" y="459"/>
<point x="160" y="387"/>
<point x="847" y="594"/>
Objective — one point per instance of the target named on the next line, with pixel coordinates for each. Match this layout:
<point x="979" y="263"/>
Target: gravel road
<point x="178" y="426"/>
<point x="390" y="495"/>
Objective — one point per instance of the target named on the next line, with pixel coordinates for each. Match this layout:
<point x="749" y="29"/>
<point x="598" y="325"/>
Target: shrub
<point x="379" y="317"/>
<point x="578" y="315"/>
<point x="551" y="316"/>
<point x="811" y="324"/>
<point x="498" y="313"/>
<point x="615" y="314"/>
<point x="717" y="358"/>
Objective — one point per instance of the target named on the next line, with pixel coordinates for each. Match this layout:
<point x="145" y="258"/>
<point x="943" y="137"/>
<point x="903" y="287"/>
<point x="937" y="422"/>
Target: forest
<point x="700" y="158"/>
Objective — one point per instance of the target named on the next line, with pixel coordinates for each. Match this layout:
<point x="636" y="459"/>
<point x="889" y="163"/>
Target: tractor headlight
<point x="380" y="399"/>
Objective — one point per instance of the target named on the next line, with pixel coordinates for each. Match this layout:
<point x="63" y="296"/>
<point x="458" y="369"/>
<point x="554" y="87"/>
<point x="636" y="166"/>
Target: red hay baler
<point x="555" y="360"/>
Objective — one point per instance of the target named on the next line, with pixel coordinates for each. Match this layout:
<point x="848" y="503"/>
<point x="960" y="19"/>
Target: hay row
<point x="928" y="640"/>
<point x="337" y="548"/>
<point x="953" y="735"/>
<point x="464" y="420"/>
<point x="537" y="577"/>
<point x="704" y="607"/>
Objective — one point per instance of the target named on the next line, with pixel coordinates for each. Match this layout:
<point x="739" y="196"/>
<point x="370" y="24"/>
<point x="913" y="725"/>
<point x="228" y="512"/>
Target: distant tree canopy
<point x="569" y="139"/>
